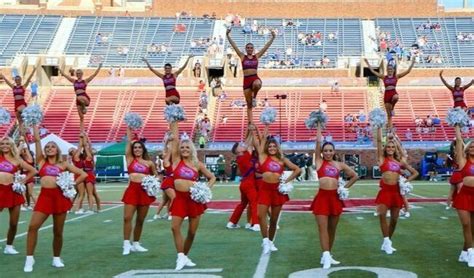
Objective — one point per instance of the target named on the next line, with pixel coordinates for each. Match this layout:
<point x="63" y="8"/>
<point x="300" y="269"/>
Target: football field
<point x="428" y="243"/>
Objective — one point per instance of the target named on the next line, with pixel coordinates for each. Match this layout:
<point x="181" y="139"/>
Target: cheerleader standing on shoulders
<point x="272" y="164"/>
<point x="10" y="163"/>
<point x="186" y="169"/>
<point x="19" y="95"/>
<point x="27" y="156"/>
<point x="82" y="98"/>
<point x="51" y="200"/>
<point x="457" y="91"/>
<point x="135" y="198"/>
<point x="169" y="80"/>
<point x="464" y="200"/>
<point x="327" y="205"/>
<point x="391" y="163"/>
<point x="89" y="168"/>
<point x="167" y="185"/>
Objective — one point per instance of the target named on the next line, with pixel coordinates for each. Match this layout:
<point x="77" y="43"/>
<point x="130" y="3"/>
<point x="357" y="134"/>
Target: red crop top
<point x="391" y="165"/>
<point x="80" y="85"/>
<point x="7" y="167"/>
<point x="458" y="94"/>
<point x="137" y="167"/>
<point x="248" y="63"/>
<point x="18" y="91"/>
<point x="468" y="169"/>
<point x="270" y="165"/>
<point x="88" y="165"/>
<point x="49" y="170"/>
<point x="327" y="170"/>
<point x="169" y="81"/>
<point x="185" y="172"/>
<point x="390" y="82"/>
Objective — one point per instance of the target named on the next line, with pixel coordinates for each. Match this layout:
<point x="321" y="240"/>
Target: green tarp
<point x="115" y="149"/>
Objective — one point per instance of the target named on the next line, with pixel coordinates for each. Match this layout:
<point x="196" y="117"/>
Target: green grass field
<point x="428" y="242"/>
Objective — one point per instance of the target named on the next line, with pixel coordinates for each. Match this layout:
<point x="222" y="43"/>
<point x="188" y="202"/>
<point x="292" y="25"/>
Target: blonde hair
<point x="466" y="147"/>
<point x="194" y="157"/>
<point x="13" y="149"/>
<point x="397" y="155"/>
<point x="59" y="156"/>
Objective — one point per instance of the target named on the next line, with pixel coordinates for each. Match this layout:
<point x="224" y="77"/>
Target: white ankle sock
<point x="126" y="242"/>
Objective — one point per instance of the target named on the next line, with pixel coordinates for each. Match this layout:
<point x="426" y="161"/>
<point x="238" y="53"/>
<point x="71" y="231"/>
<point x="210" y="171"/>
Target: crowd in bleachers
<point x="465" y="36"/>
<point x="428" y="124"/>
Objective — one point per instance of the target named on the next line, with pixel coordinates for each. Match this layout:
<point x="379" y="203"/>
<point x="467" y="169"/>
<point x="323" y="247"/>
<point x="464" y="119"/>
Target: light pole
<point x="280" y="97"/>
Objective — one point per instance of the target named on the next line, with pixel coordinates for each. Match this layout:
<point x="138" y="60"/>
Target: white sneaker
<point x="57" y="262"/>
<point x="266" y="246"/>
<point x="29" y="263"/>
<point x="10" y="250"/>
<point x="127" y="247"/>
<point x="170" y="217"/>
<point x="463" y="257"/>
<point x="88" y="212"/>
<point x="248" y="226"/>
<point x="333" y="261"/>
<point x="156" y="216"/>
<point x="136" y="247"/>
<point x="255" y="228"/>
<point x="407" y="214"/>
<point x="30" y="208"/>
<point x="470" y="257"/>
<point x="326" y="260"/>
<point x="231" y="225"/>
<point x="81" y="211"/>
<point x="273" y="247"/>
<point x="22" y="208"/>
<point x="181" y="261"/>
<point x="387" y="247"/>
<point x="189" y="262"/>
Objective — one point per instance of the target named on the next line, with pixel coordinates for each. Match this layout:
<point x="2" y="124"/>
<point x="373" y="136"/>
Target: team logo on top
<point x="471" y="169"/>
<point x="6" y="166"/>
<point x="394" y="167"/>
<point x="331" y="171"/>
<point x="139" y="168"/>
<point x="274" y="166"/>
<point x="52" y="171"/>
<point x="186" y="172"/>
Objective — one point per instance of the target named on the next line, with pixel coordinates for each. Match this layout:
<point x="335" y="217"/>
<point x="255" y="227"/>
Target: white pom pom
<point x="405" y="186"/>
<point x="342" y="191"/>
<point x="268" y="115"/>
<point x="457" y="116"/>
<point x="66" y="183"/>
<point x="174" y="113"/>
<point x="32" y="115"/>
<point x="18" y="185"/>
<point x="284" y="187"/>
<point x="151" y="185"/>
<point x="200" y="192"/>
<point x="133" y="120"/>
<point x="4" y="116"/>
<point x="377" y="118"/>
<point x="316" y="117"/>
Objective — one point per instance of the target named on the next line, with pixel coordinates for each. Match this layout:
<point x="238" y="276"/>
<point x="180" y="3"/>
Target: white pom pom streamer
<point x="133" y="120"/>
<point x="18" y="185"/>
<point x="174" y="113"/>
<point x="268" y="115"/>
<point x="285" y="187"/>
<point x="201" y="193"/>
<point x="315" y="118"/>
<point x="342" y="191"/>
<point x="32" y="115"/>
<point x="377" y="118"/>
<point x="405" y="186"/>
<point x="4" y="116"/>
<point x="457" y="116"/>
<point x="151" y="185"/>
<point x="184" y="136"/>
<point x="66" y="183"/>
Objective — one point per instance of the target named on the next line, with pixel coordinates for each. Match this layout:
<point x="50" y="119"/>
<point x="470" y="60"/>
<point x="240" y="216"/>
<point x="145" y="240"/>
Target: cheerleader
<point x="391" y="162"/>
<point x="457" y="91"/>
<point x="19" y="90"/>
<point x="167" y="184"/>
<point x="82" y="98"/>
<point x="252" y="83"/>
<point x="169" y="80"/>
<point x="456" y="178"/>
<point x="11" y="163"/>
<point x="77" y="159"/>
<point x="135" y="198"/>
<point x="390" y="82"/>
<point x="186" y="169"/>
<point x="327" y="206"/>
<point x="464" y="200"/>
<point x="27" y="156"/>
<point x="89" y="168"/>
<point x="51" y="200"/>
<point x="272" y="163"/>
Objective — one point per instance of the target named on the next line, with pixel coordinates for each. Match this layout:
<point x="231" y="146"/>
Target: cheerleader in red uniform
<point x="82" y="98"/>
<point x="455" y="180"/>
<point x="135" y="198"/>
<point x="27" y="156"/>
<point x="167" y="184"/>
<point x="186" y="169"/>
<point x="89" y="168"/>
<point x="252" y="83"/>
<point x="391" y="163"/>
<point x="390" y="82"/>
<point x="10" y="163"/>
<point x="272" y="164"/>
<point x="326" y="206"/>
<point x="246" y="162"/>
<point x="457" y="91"/>
<point x="19" y="90"/>
<point x="464" y="199"/>
<point x="169" y="80"/>
<point x="78" y="156"/>
<point x="51" y="200"/>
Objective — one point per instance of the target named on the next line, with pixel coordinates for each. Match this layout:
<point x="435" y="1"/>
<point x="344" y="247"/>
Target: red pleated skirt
<point x="135" y="195"/>
<point x="327" y="202"/>
<point x="9" y="198"/>
<point x="183" y="206"/>
<point x="52" y="201"/>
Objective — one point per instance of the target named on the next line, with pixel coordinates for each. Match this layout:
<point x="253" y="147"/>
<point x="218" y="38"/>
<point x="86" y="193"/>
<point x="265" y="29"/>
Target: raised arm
<point x="167" y="151"/>
<point x="77" y="153"/>
<point x="380" y="156"/>
<point x="400" y="75"/>
<point x="89" y="79"/>
<point x="460" y="159"/>
<point x="317" y="149"/>
<point x="378" y="74"/>
<point x="66" y="76"/>
<point x="38" y="149"/>
<point x="234" y="45"/>
<point x="128" y="146"/>
<point x="174" y="145"/>
<point x="296" y="170"/>
<point x="88" y="148"/>
<point x="28" y="80"/>
<point x="9" y="83"/>
<point x="468" y="84"/>
<point x="30" y="170"/>
<point x="211" y="179"/>
<point x="157" y="73"/>
<point x="79" y="172"/>
<point x="349" y="172"/>
<point x="444" y="81"/>
<point x="266" y="46"/>
<point x="178" y="72"/>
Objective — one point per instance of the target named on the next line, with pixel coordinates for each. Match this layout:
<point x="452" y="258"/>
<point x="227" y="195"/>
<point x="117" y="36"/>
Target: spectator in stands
<point x="121" y="72"/>
<point x="224" y="119"/>
<point x="233" y="65"/>
<point x="197" y="69"/>
<point x="323" y="106"/>
<point x="325" y="61"/>
<point x="202" y="141"/>
<point x="335" y="87"/>
<point x="221" y="168"/>
<point x="408" y="135"/>
<point x="34" y="91"/>
<point x="205" y="126"/>
<point x="362" y="117"/>
<point x="201" y="86"/>
<point x="98" y="39"/>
